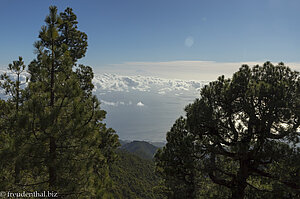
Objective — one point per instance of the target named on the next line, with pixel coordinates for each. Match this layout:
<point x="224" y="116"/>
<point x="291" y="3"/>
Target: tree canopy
<point x="52" y="128"/>
<point x="244" y="133"/>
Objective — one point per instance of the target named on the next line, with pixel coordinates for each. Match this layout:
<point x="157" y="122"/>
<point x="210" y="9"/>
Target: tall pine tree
<point x="67" y="146"/>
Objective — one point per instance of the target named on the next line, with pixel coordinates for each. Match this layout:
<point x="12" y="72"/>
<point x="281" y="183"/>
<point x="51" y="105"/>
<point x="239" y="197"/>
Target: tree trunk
<point x="238" y="192"/>
<point x="190" y="192"/>
<point x="17" y="165"/>
<point x="52" y="145"/>
<point x="240" y="183"/>
<point x="191" y="187"/>
<point x="52" y="169"/>
<point x="17" y="173"/>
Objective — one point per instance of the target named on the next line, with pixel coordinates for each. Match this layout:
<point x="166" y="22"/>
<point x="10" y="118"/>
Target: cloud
<point x="184" y="69"/>
<point x="105" y="83"/>
<point x="107" y="103"/>
<point x="140" y="104"/>
<point x="113" y="82"/>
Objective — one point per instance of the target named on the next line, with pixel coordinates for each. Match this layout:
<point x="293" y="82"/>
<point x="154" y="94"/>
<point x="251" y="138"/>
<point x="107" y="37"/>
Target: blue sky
<point x="171" y="39"/>
<point x="122" y="31"/>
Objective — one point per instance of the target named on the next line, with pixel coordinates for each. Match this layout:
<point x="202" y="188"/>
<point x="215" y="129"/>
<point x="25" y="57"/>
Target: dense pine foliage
<point x="134" y="177"/>
<point x="241" y="135"/>
<point x="52" y="134"/>
<point x="142" y="149"/>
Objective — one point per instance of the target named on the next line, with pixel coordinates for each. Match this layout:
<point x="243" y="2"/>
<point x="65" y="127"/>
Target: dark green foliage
<point x="134" y="177"/>
<point x="11" y="119"/>
<point x="140" y="148"/>
<point x="75" y="40"/>
<point x="176" y="162"/>
<point x="244" y="134"/>
<point x="53" y="134"/>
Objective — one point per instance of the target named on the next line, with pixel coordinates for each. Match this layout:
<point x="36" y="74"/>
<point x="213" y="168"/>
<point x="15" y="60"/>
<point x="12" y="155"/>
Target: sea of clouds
<point x="140" y="107"/>
<point x="144" y="107"/>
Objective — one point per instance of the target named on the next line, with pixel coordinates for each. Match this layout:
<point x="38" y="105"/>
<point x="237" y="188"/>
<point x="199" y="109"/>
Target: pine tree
<point x="247" y="128"/>
<point x="68" y="148"/>
<point x="13" y="135"/>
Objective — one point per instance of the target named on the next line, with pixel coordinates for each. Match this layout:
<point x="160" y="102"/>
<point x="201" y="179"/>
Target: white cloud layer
<point x="113" y="82"/>
<point x="186" y="70"/>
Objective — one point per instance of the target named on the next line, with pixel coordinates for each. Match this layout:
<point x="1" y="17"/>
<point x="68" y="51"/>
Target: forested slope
<point x="142" y="149"/>
<point x="133" y="177"/>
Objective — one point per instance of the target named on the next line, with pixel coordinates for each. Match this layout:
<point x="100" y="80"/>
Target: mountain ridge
<point x="141" y="149"/>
